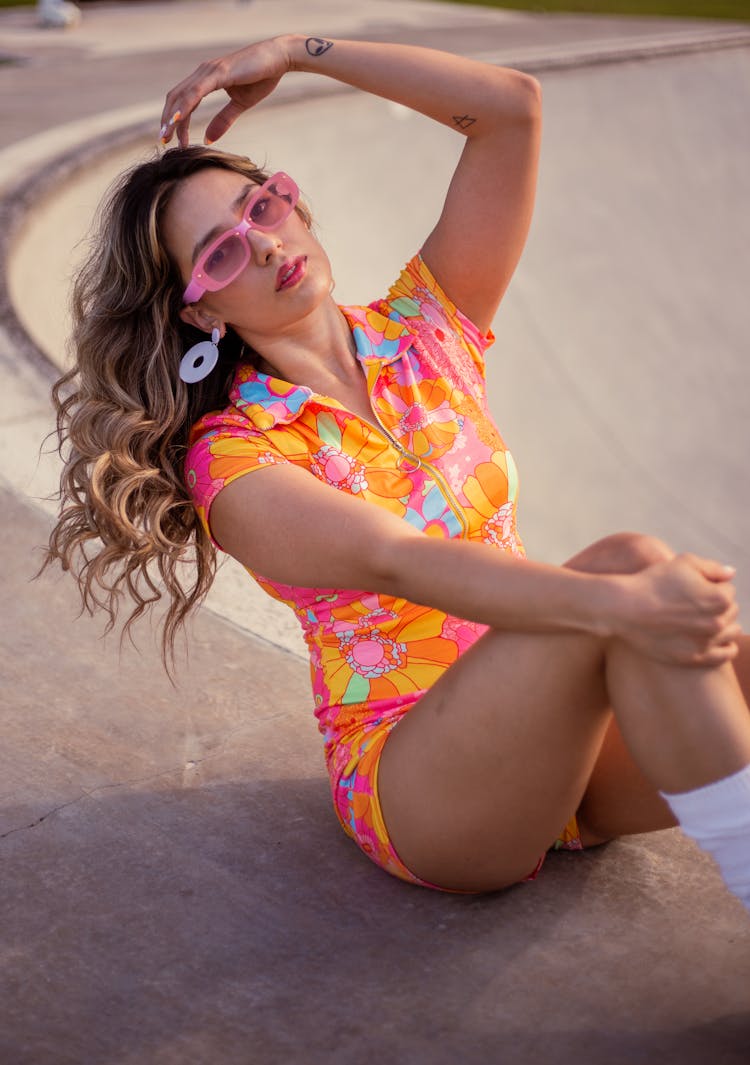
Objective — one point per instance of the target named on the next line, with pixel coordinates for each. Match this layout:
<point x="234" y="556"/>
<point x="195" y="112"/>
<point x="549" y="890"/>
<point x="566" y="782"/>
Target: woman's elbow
<point x="529" y="98"/>
<point x="524" y="101"/>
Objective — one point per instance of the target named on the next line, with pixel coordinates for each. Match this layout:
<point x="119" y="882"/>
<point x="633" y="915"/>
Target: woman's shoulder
<point x="417" y="299"/>
<point x="225" y="421"/>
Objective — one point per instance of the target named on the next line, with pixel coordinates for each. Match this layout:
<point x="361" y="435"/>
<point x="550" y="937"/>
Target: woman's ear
<point x="193" y="315"/>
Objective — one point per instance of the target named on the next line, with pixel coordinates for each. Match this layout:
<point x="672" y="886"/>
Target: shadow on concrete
<point x="232" y="923"/>
<point x="175" y="888"/>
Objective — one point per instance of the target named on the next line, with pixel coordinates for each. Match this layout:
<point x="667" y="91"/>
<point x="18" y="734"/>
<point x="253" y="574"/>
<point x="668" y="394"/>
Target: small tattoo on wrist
<point x="463" y="121"/>
<point x="316" y="45"/>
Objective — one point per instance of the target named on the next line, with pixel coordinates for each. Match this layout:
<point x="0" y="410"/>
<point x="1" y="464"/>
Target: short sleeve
<point x="222" y="449"/>
<point x="417" y="293"/>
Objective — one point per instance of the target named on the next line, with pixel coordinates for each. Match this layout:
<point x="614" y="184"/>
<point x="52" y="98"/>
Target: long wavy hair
<point x="127" y="527"/>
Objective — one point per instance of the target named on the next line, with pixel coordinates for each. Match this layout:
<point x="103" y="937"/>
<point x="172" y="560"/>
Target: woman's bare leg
<point x="619" y="799"/>
<point x="479" y="778"/>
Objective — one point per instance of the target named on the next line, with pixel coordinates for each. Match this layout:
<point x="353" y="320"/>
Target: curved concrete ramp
<point x="620" y="373"/>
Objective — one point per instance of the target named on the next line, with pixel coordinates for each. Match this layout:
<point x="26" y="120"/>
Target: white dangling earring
<point x="199" y="361"/>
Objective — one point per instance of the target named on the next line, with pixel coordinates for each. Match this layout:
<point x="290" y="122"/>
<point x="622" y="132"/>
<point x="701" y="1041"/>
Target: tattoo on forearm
<point x="463" y="121"/>
<point x="316" y="45"/>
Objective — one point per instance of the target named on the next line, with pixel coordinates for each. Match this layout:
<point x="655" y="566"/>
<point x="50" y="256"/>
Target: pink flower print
<point x="339" y="469"/>
<point x="464" y="633"/>
<point x="413" y="419"/>
<point x="407" y="371"/>
<point x="370" y="601"/>
<point x="209" y="486"/>
<point x="431" y="311"/>
<point x="277" y="411"/>
<point x="198" y="476"/>
<point x="371" y="654"/>
<point x="446" y="355"/>
<point x="376" y="614"/>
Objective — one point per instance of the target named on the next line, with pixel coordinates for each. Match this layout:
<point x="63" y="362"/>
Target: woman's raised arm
<point x="474" y="248"/>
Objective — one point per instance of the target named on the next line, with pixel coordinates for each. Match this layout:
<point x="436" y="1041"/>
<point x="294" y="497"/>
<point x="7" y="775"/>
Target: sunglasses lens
<point x="227" y="259"/>
<point x="275" y="203"/>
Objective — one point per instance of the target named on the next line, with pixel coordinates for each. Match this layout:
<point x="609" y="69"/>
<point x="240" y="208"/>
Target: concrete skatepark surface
<point x="174" y="887"/>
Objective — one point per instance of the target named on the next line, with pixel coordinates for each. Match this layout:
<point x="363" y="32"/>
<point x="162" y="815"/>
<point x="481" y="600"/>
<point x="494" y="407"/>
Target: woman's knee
<point x="622" y="552"/>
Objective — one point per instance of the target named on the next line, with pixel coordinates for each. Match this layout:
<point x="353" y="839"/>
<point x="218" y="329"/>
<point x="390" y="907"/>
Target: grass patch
<point x="730" y="9"/>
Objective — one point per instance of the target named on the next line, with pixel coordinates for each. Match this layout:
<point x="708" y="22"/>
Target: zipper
<point x="442" y="484"/>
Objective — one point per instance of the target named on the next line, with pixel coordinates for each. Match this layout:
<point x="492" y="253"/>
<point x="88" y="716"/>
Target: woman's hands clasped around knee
<point x="681" y="611"/>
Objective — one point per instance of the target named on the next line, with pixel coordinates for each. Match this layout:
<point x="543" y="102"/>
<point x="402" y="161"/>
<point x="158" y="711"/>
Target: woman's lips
<point x="291" y="272"/>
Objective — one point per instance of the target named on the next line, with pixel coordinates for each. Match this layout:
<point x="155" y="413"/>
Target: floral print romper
<point x="436" y="460"/>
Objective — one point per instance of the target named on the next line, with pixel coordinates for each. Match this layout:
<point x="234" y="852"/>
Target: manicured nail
<point x="175" y="117"/>
<point x="163" y="132"/>
<point x="206" y="141"/>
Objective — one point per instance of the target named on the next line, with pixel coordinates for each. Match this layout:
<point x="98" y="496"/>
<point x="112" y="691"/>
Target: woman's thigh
<point x="481" y="775"/>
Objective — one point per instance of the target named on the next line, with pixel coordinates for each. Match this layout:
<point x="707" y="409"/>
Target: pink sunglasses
<point x="227" y="256"/>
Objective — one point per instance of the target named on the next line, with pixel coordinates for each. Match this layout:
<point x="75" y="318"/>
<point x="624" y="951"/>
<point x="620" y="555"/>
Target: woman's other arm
<point x="475" y="246"/>
<point x="319" y="537"/>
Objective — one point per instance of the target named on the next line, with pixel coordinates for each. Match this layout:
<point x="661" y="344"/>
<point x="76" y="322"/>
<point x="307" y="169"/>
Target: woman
<point x="477" y="707"/>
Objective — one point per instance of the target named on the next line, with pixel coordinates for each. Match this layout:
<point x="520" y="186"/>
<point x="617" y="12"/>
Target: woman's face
<point x="264" y="300"/>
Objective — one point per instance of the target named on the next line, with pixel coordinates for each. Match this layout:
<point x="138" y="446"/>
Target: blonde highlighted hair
<point x="127" y="527"/>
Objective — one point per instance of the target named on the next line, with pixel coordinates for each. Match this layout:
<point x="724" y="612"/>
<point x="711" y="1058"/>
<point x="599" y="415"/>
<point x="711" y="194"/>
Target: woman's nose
<point x="262" y="245"/>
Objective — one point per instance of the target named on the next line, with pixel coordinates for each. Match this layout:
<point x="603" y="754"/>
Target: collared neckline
<point x="378" y="337"/>
<point x="268" y="401"/>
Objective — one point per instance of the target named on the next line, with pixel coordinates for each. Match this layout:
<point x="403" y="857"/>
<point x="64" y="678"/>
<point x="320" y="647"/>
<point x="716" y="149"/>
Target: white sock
<point x="718" y="819"/>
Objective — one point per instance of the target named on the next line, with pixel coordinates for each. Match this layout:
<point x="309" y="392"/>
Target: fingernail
<point x="730" y="569"/>
<point x="206" y="141"/>
<point x="175" y="117"/>
<point x="163" y="132"/>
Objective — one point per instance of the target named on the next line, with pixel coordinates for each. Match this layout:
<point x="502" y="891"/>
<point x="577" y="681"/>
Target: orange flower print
<point x="388" y="658"/>
<point x="352" y="457"/>
<point x="231" y="456"/>
<point x="492" y="491"/>
<point x="426" y="428"/>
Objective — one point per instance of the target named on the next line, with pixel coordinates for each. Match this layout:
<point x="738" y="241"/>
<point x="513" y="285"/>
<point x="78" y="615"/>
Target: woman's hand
<point x="682" y="611"/>
<point x="247" y="76"/>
